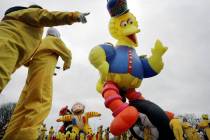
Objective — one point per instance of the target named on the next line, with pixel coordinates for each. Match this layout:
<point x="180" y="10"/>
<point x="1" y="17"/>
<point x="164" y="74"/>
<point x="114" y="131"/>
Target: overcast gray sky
<point x="182" y="87"/>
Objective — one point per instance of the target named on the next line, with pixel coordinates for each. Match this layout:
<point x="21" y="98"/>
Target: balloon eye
<point x="123" y="24"/>
<point x="130" y="21"/>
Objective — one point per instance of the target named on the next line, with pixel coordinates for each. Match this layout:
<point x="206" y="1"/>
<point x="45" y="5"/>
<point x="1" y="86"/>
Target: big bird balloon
<point x="122" y="69"/>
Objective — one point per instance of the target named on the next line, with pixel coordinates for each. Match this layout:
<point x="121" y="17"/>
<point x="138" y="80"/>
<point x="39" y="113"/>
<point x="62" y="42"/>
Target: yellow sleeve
<point x="185" y="125"/>
<point x="92" y="114"/>
<point x="203" y="124"/>
<point x="43" y="18"/>
<point x="171" y="124"/>
<point x="63" y="52"/>
<point x="65" y="118"/>
<point x="97" y="56"/>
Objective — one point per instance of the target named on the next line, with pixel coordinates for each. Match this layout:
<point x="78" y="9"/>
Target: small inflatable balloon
<point x="79" y="119"/>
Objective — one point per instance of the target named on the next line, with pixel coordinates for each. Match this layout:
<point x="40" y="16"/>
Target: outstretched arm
<point x="92" y="114"/>
<point x="153" y="65"/>
<point x="65" y="118"/>
<point x="155" y="61"/>
<point x="41" y="17"/>
<point x="64" y="53"/>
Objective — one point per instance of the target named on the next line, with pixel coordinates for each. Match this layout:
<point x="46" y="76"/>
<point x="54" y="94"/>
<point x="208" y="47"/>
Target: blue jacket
<point x="123" y="60"/>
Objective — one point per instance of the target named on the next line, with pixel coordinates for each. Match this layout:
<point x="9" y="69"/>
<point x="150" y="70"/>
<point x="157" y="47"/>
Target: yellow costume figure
<point x="79" y="120"/>
<point x="82" y="136"/>
<point x="68" y="135"/>
<point x="51" y="133"/>
<point x="147" y="133"/>
<point x="150" y="131"/>
<point x="73" y="136"/>
<point x="60" y="136"/>
<point x="57" y="136"/>
<point x="176" y="126"/>
<point x="204" y="124"/>
<point x="106" y="135"/>
<point x="43" y="132"/>
<point x="36" y="98"/>
<point x="99" y="132"/>
<point x="195" y="134"/>
<point x="189" y="131"/>
<point x="21" y="33"/>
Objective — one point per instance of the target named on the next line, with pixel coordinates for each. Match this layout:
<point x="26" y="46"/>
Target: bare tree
<point x="5" y="115"/>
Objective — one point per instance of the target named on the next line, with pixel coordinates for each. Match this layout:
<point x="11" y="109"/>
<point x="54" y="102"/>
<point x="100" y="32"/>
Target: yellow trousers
<point x="207" y="130"/>
<point x="34" y="103"/>
<point x="178" y="133"/>
<point x="192" y="134"/>
<point x="36" y="98"/>
<point x="147" y="134"/>
<point x="176" y="126"/>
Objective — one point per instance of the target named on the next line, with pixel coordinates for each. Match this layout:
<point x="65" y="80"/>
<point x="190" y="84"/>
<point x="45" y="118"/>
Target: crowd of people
<point x="44" y="134"/>
<point x="183" y="130"/>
